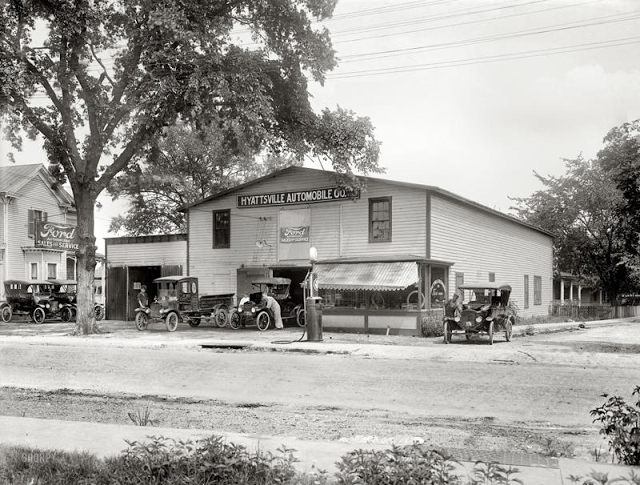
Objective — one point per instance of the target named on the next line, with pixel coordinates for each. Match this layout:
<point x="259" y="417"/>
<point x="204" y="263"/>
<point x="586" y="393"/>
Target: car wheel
<point x="194" y="322"/>
<point x="99" y="312"/>
<point x="6" y="313"/>
<point x="66" y="314"/>
<point x="490" y="333"/>
<point x="234" y="320"/>
<point x="222" y="315"/>
<point x="172" y="322"/>
<point x="447" y="332"/>
<point x="508" y="330"/>
<point x="141" y="321"/>
<point x="301" y="317"/>
<point x="263" y="320"/>
<point x="38" y="315"/>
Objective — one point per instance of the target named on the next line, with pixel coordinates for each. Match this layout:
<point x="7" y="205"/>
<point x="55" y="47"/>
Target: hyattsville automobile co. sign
<point x="327" y="194"/>
<point x="51" y="235"/>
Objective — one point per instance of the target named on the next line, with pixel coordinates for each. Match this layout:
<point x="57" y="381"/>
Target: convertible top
<point x="272" y="281"/>
<point x="63" y="282"/>
<point x="28" y="282"/>
<point x="173" y="279"/>
<point x="485" y="286"/>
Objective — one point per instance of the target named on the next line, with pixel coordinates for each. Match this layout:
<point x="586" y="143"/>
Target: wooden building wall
<point x="35" y="195"/>
<point x="162" y="253"/>
<point x="338" y="229"/>
<point x="480" y="242"/>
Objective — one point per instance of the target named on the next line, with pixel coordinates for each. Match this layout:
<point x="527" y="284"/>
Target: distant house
<point x="29" y="196"/>
<point x="567" y="288"/>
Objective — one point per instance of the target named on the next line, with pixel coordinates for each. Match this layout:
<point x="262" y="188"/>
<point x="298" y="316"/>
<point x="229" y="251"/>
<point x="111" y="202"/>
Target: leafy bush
<point x="431" y="327"/>
<point x="413" y="464"/>
<point x="162" y="460"/>
<point x="621" y="425"/>
<point x="407" y="464"/>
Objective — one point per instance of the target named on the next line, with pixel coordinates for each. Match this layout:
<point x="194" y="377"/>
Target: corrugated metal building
<point x="387" y="256"/>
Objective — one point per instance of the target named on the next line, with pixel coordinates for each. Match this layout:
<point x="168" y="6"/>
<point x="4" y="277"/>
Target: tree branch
<point x="105" y="73"/>
<point x="67" y="102"/>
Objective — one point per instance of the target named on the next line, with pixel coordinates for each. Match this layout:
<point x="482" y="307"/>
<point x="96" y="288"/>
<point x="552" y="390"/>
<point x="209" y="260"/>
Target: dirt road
<point x="532" y="394"/>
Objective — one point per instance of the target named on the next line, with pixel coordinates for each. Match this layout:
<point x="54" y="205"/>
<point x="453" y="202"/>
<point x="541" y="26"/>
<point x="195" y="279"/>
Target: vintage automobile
<point x="252" y="310"/>
<point x="65" y="293"/>
<point x="28" y="298"/>
<point x="485" y="310"/>
<point x="177" y="300"/>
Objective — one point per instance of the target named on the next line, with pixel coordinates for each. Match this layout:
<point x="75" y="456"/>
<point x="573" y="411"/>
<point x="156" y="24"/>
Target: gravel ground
<point x="323" y="423"/>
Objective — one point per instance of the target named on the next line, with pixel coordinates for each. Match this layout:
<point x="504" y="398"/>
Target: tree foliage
<point x="582" y="209"/>
<point x="620" y="159"/>
<point x="182" y="166"/>
<point x="99" y="81"/>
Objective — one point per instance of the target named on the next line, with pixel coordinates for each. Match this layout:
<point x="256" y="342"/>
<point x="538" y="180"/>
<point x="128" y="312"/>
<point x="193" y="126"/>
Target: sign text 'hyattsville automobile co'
<point x="327" y="194"/>
<point x="51" y="235"/>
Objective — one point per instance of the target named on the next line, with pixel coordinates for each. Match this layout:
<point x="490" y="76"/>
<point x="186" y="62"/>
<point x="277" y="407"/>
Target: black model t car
<point x="485" y="310"/>
<point x="30" y="298"/>
<point x="253" y="310"/>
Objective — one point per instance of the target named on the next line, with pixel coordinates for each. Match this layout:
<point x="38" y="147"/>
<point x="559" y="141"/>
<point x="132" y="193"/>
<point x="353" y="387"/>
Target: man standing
<point x="143" y="298"/>
<point x="452" y="308"/>
<point x="274" y="306"/>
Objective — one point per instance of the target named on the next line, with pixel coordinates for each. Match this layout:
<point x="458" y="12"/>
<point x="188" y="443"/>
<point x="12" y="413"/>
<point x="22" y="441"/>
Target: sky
<point x="474" y="96"/>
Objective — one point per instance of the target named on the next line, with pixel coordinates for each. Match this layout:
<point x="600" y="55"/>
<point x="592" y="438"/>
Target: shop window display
<point x="406" y="299"/>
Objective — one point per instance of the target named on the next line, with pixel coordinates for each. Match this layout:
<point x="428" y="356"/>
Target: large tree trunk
<point x="86" y="254"/>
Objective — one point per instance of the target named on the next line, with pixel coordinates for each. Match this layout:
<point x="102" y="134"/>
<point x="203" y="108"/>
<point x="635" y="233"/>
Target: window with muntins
<point x="380" y="220"/>
<point x="221" y="229"/>
<point x="537" y="290"/>
<point x="34" y="216"/>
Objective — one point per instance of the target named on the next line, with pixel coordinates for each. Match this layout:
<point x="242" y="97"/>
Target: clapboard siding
<point x="338" y="229"/>
<point x="409" y="215"/>
<point x="148" y="254"/>
<point x="480" y="242"/>
<point x="34" y="195"/>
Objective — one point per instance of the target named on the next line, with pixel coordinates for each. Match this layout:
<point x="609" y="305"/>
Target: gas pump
<point x="312" y="302"/>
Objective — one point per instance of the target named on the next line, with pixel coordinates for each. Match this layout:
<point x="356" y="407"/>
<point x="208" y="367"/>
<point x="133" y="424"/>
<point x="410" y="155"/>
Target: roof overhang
<point x="374" y="276"/>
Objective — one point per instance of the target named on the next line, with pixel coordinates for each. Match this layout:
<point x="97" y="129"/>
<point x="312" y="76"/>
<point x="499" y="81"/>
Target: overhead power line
<point x="597" y="21"/>
<point x="468" y="22"/>
<point x="489" y="59"/>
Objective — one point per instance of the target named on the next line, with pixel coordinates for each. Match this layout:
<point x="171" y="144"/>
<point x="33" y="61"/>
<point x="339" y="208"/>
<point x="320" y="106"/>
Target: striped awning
<point x="367" y="276"/>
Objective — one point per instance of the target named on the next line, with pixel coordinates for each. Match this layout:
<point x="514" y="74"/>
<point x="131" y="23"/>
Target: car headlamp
<point x="478" y="319"/>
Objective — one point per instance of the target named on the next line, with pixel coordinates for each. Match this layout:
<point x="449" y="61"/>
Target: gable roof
<point x="13" y="178"/>
<point x="429" y="188"/>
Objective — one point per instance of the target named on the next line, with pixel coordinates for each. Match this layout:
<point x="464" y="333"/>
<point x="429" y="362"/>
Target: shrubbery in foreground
<point x="214" y="461"/>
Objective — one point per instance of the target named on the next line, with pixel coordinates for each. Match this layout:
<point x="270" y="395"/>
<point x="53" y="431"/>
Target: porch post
<point x="579" y="295"/>
<point x="561" y="290"/>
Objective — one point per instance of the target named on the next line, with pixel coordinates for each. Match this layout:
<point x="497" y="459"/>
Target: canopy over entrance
<point x="374" y="276"/>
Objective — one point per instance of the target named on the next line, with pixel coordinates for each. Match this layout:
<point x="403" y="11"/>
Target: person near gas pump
<point x="271" y="303"/>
